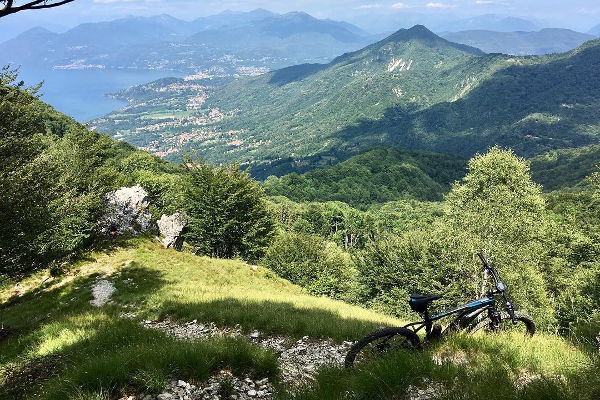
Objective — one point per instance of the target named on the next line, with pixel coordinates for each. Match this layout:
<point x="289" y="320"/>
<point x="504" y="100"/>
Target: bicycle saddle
<point x="419" y="302"/>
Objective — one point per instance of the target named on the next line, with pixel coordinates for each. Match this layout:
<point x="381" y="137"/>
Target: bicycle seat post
<point x="428" y="322"/>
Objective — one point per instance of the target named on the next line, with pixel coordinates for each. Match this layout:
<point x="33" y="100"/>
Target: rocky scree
<point x="299" y="360"/>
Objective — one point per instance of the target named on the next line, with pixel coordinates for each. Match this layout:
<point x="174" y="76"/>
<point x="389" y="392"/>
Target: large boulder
<point x="170" y="229"/>
<point x="126" y="212"/>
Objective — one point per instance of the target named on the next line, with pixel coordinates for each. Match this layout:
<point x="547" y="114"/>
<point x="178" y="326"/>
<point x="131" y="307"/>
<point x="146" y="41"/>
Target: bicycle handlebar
<point x="500" y="288"/>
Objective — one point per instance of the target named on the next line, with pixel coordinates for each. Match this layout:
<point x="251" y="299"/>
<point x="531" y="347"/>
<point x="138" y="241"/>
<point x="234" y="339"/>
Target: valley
<point x="413" y="89"/>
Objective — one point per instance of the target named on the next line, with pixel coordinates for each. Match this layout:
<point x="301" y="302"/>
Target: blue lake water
<point x="81" y="94"/>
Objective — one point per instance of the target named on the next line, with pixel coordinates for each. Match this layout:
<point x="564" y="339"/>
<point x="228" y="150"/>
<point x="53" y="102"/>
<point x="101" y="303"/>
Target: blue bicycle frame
<point x="467" y="313"/>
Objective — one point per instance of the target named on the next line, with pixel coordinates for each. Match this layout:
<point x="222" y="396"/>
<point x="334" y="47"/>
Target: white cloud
<point x="484" y="2"/>
<point x="437" y="5"/>
<point x="368" y="6"/>
<point x="399" y="5"/>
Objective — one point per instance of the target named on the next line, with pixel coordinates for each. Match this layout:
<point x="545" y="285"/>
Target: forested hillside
<point x="375" y="176"/>
<point x="388" y="174"/>
<point x="54" y="174"/>
<point x="413" y="89"/>
<point x="565" y="168"/>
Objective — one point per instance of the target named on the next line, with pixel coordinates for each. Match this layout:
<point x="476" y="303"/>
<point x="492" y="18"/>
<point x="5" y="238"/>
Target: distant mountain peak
<point x="300" y="15"/>
<point x="421" y="33"/>
<point x="36" y="32"/>
<point x="416" y="32"/>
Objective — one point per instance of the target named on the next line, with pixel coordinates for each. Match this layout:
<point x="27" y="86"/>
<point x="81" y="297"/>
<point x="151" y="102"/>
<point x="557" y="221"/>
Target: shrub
<point x="227" y="210"/>
<point x="318" y="265"/>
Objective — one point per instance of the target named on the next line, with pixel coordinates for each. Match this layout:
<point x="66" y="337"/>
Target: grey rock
<point x="126" y="212"/>
<point x="102" y="291"/>
<point x="170" y="228"/>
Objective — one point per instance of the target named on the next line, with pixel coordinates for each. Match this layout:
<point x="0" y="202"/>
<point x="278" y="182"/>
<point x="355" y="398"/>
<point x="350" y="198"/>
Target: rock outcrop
<point x="170" y="229"/>
<point x="127" y="212"/>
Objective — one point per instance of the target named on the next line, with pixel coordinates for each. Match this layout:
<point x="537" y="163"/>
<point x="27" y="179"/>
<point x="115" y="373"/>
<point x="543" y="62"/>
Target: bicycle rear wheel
<point x="524" y="323"/>
<point x="379" y="343"/>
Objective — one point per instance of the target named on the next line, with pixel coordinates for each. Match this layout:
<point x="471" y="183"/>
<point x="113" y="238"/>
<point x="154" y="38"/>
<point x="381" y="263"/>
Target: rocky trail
<point x="299" y="361"/>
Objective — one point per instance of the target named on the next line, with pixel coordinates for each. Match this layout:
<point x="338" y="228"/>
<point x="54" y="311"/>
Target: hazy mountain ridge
<point x="210" y="45"/>
<point x="546" y="41"/>
<point x="595" y="30"/>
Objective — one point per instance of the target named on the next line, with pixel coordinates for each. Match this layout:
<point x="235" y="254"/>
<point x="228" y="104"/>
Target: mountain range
<point x="595" y="30"/>
<point x="227" y="43"/>
<point x="382" y="19"/>
<point x="413" y="89"/>
<point x="546" y="41"/>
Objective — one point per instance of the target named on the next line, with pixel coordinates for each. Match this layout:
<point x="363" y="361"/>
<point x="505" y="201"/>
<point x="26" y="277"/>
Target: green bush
<point x="318" y="265"/>
<point x="227" y="210"/>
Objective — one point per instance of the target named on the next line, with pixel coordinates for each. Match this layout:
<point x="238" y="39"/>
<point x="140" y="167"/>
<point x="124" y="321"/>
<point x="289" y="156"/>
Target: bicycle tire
<point x="379" y="334"/>
<point x="486" y="323"/>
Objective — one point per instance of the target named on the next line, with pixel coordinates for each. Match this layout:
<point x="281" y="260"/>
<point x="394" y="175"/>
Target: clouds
<point x="438" y="5"/>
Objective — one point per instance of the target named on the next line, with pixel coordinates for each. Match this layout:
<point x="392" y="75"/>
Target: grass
<point x="62" y="347"/>
<point x="469" y="367"/>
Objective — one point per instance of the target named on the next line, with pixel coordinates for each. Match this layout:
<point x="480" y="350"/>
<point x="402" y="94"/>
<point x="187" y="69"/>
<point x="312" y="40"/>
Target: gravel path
<point x="299" y="361"/>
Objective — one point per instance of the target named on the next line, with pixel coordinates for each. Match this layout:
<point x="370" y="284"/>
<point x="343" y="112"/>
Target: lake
<point x="82" y="94"/>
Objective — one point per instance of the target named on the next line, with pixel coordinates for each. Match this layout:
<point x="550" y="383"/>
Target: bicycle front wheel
<point x="524" y="323"/>
<point x="379" y="343"/>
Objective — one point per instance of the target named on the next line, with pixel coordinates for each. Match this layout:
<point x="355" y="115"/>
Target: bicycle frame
<point x="467" y="313"/>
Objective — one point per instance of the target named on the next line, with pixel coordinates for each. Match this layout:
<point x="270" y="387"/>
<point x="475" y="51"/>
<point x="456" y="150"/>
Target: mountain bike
<point x="471" y="317"/>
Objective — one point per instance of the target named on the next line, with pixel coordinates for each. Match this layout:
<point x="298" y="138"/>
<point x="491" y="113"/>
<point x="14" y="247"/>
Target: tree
<point x="10" y="6"/>
<point x="320" y="266"/>
<point x="499" y="210"/>
<point x="53" y="176"/>
<point x="496" y="209"/>
<point x="227" y="210"/>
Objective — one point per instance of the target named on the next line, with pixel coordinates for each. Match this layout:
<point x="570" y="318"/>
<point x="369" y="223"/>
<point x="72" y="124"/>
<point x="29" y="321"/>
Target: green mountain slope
<point x="565" y="168"/>
<point x="300" y="107"/>
<point x="376" y="176"/>
<point x="386" y="174"/>
<point x="413" y="89"/>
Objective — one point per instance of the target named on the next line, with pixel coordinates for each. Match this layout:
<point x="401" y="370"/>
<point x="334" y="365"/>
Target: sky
<point x="576" y="14"/>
